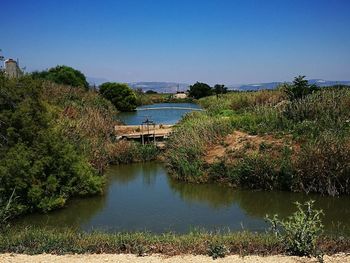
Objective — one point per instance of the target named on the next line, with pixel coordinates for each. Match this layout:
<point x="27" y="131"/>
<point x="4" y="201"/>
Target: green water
<point x="144" y="197"/>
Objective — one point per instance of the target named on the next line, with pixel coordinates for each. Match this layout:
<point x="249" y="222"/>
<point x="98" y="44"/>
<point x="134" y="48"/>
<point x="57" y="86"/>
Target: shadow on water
<point x="143" y="197"/>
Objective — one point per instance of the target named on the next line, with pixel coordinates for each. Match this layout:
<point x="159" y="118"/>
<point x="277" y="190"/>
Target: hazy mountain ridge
<point x="273" y="85"/>
<point x="160" y="87"/>
<point x="173" y="87"/>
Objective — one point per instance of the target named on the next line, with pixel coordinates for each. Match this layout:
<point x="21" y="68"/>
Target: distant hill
<point x="96" y="81"/>
<point x="160" y="87"/>
<point x="173" y="87"/>
<point x="273" y="85"/>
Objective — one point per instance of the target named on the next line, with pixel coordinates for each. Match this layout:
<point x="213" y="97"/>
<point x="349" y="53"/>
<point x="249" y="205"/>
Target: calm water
<point x="164" y="116"/>
<point x="143" y="197"/>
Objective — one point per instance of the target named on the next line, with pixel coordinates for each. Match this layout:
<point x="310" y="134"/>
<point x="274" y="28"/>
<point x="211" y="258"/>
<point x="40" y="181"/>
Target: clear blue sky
<point x="217" y="41"/>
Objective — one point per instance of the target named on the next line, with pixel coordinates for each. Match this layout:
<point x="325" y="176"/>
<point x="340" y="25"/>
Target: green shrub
<point x="299" y="232"/>
<point x="120" y="95"/>
<point x="35" y="158"/>
<point x="63" y="75"/>
<point x="323" y="166"/>
<point x="256" y="172"/>
<point x="188" y="142"/>
<point x="6" y="212"/>
<point x="147" y="152"/>
<point x="217" y="250"/>
<point x="299" y="89"/>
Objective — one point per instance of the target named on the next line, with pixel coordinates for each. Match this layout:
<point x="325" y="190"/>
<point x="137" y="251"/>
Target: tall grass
<point x="67" y="241"/>
<point x="85" y="118"/>
<point x="187" y="144"/>
<point x="318" y="123"/>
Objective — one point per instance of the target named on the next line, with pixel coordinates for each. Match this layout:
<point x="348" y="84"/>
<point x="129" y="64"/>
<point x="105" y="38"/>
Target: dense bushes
<point x="120" y="94"/>
<point x="323" y="166"/>
<point x="85" y="119"/>
<point x="187" y="146"/>
<point x="36" y="160"/>
<point x="299" y="89"/>
<point x="128" y="152"/>
<point x="63" y="75"/>
<point x="300" y="232"/>
<point x="316" y="159"/>
<point x="67" y="241"/>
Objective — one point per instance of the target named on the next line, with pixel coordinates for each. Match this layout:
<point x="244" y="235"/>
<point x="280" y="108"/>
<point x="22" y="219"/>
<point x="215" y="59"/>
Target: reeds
<point x="319" y="125"/>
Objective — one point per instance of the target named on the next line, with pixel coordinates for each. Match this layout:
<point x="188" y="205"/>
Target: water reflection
<point x="143" y="197"/>
<point x="215" y="196"/>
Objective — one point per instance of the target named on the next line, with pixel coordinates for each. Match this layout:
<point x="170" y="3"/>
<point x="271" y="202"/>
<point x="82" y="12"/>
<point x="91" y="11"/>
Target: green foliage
<point x="31" y="240"/>
<point x="6" y="212"/>
<point x="217" y="250"/>
<point x="121" y="95"/>
<point x="315" y="161"/>
<point x="35" y="159"/>
<point x="299" y="89"/>
<point x="299" y="232"/>
<point x="85" y="119"/>
<point x="220" y="89"/>
<point x="151" y="92"/>
<point x="151" y="98"/>
<point x="128" y="152"/>
<point x="188" y="142"/>
<point x="67" y="241"/>
<point x="255" y="172"/>
<point x="200" y="90"/>
<point x="63" y="75"/>
<point x="323" y="166"/>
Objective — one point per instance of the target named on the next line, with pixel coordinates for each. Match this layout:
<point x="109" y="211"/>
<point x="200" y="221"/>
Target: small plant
<point x="141" y="250"/>
<point x="217" y="250"/>
<point x="299" y="232"/>
<point x="5" y="211"/>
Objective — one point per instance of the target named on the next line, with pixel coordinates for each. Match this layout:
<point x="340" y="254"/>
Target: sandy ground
<point x="95" y="258"/>
<point x="136" y="129"/>
<point x="239" y="141"/>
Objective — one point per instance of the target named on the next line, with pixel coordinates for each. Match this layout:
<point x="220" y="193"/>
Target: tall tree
<point x="200" y="90"/>
<point x="63" y="75"/>
<point x="220" y="89"/>
<point x="299" y="88"/>
<point x="120" y="94"/>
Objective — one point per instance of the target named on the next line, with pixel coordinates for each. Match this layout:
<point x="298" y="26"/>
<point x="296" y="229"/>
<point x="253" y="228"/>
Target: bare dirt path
<point x="97" y="258"/>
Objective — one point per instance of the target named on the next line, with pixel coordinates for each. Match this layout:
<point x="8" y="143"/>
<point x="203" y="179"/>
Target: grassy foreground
<point x="37" y="241"/>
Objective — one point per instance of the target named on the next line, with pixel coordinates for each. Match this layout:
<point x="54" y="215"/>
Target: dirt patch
<point x="97" y="258"/>
<point x="234" y="145"/>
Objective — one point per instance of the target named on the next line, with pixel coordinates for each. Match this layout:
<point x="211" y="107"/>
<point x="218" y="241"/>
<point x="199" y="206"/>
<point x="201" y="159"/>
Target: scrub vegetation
<point x="56" y="141"/>
<point x="151" y="97"/>
<point x="294" y="138"/>
<point x="58" y="241"/>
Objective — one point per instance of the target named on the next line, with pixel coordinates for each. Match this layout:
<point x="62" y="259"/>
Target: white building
<point x="180" y="95"/>
<point x="12" y="69"/>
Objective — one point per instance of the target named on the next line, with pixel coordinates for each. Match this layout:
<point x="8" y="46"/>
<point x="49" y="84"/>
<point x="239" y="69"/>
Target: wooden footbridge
<point x="155" y="133"/>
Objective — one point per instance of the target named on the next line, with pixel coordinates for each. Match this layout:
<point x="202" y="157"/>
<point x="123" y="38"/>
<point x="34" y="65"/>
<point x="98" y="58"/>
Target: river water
<point x="143" y="197"/>
<point x="164" y="116"/>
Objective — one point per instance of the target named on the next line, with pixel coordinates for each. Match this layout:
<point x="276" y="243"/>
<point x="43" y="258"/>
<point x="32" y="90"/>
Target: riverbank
<point x="92" y="258"/>
<point x="267" y="141"/>
<point x="67" y="241"/>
